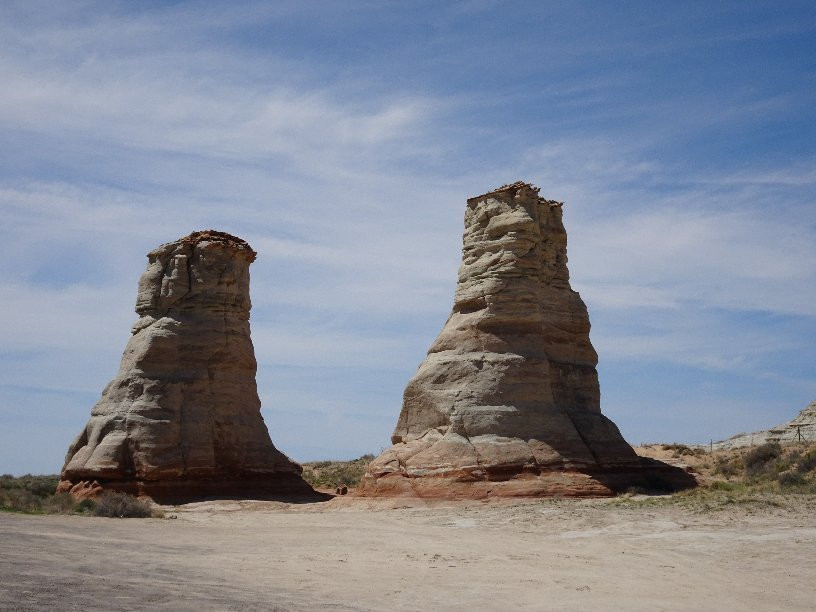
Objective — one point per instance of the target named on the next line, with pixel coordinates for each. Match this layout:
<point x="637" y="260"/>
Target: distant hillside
<point x="802" y="428"/>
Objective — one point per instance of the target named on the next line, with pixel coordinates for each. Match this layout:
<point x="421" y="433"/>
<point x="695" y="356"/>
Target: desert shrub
<point x="20" y="500"/>
<point x="328" y="474"/>
<point x="726" y="468"/>
<point x="85" y="506"/>
<point x="59" y="503"/>
<point x="41" y="486"/>
<point x="683" y="449"/>
<point x="807" y="462"/>
<point x="790" y="478"/>
<point x="114" y="504"/>
<point x="720" y="485"/>
<point x="29" y="493"/>
<point x="760" y="460"/>
<point x="36" y="494"/>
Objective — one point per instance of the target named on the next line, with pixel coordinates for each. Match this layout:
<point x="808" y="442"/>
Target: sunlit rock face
<point x="182" y="417"/>
<point x="507" y="401"/>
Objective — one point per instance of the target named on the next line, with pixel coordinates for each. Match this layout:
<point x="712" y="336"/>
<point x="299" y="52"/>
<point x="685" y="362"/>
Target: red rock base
<point x="81" y="490"/>
<point x="285" y="487"/>
<point x="650" y="476"/>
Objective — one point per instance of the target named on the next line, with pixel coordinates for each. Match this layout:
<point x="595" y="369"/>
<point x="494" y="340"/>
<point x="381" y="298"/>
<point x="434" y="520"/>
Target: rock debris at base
<point x="507" y="401"/>
<point x="182" y="418"/>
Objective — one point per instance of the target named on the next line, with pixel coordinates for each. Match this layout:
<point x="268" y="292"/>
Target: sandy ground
<point x="350" y="554"/>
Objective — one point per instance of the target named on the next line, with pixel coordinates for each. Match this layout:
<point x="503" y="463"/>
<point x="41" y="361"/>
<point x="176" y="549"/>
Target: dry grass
<point x="114" y="504"/>
<point x="765" y="476"/>
<point x="35" y="495"/>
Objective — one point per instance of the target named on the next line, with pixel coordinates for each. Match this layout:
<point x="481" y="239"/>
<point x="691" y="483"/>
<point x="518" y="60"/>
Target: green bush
<point x="20" y="500"/>
<point x="726" y="468"/>
<point x="59" y="503"/>
<point x="35" y="494"/>
<point x="760" y="460"/>
<point x="41" y="486"/>
<point x="807" y="463"/>
<point x="683" y="449"/>
<point x="85" y="505"/>
<point x="29" y="494"/>
<point x="329" y="474"/>
<point x="719" y="485"/>
<point x="114" y="504"/>
<point x="791" y="479"/>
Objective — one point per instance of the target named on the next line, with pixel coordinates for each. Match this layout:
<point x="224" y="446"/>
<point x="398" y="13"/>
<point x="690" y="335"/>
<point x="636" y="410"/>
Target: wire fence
<point x="797" y="434"/>
<point x="801" y="434"/>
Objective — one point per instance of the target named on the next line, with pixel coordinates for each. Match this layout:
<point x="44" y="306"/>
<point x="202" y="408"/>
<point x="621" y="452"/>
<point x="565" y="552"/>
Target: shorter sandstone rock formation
<point x="801" y="429"/>
<point x="181" y="420"/>
<point x="507" y="402"/>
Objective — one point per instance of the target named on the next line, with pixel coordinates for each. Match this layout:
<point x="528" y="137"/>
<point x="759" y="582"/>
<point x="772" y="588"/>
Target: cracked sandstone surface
<point x="182" y="419"/>
<point x="507" y="401"/>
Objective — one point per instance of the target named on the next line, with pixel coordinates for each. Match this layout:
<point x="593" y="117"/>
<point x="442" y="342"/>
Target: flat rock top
<point x="211" y="235"/>
<point x="514" y="188"/>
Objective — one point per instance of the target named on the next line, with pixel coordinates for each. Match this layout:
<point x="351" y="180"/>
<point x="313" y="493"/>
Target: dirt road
<point x="358" y="555"/>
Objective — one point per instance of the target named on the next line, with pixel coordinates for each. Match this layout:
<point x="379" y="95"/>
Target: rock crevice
<point x="507" y="400"/>
<point x="182" y="418"/>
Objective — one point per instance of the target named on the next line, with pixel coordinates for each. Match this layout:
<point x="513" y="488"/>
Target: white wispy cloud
<point x="126" y="129"/>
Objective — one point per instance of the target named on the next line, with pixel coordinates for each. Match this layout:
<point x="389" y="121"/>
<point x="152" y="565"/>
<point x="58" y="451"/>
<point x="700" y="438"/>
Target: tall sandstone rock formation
<point x="507" y="401"/>
<point x="182" y="418"/>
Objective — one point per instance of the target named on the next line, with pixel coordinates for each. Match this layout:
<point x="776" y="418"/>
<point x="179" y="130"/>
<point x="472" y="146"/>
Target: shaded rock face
<point x="182" y="417"/>
<point x="801" y="429"/>
<point x="507" y="400"/>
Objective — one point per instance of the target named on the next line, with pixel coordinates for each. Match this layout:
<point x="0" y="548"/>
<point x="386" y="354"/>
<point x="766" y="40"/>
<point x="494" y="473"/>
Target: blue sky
<point x="341" y="140"/>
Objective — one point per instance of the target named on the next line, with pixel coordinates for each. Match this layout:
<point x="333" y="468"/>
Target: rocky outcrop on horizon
<point x="801" y="429"/>
<point x="507" y="401"/>
<point x="181" y="419"/>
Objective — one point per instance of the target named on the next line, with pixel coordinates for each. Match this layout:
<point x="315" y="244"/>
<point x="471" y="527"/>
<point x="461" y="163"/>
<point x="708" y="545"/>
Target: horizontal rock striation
<point x="507" y="401"/>
<point x="182" y="418"/>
